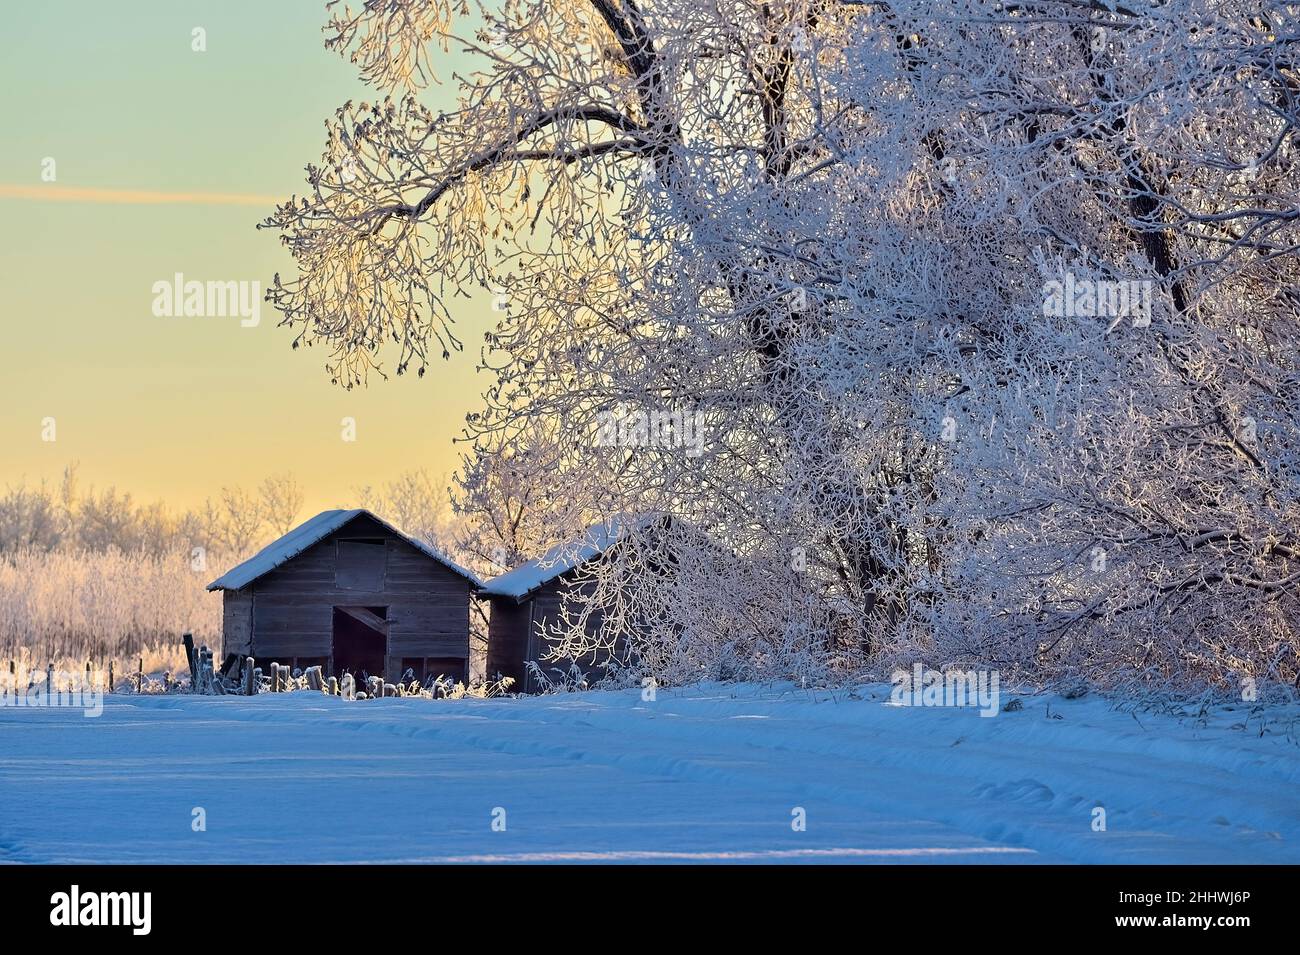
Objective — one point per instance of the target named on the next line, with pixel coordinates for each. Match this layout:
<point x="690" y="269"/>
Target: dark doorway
<point x="360" y="641"/>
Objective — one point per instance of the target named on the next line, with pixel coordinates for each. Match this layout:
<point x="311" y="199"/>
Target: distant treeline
<point x="79" y="605"/>
<point x="44" y="517"/>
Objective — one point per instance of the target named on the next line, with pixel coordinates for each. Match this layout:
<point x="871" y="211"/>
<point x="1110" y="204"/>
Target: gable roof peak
<point x="313" y="531"/>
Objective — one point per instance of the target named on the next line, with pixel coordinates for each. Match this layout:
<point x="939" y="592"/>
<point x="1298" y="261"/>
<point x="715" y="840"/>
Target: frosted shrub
<point x="105" y="605"/>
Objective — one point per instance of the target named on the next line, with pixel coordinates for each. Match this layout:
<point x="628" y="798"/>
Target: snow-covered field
<point x="712" y="773"/>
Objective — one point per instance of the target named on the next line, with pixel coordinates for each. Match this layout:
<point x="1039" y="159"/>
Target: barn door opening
<point x="360" y="641"/>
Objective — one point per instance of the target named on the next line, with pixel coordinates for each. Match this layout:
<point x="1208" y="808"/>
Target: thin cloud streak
<point x="53" y="193"/>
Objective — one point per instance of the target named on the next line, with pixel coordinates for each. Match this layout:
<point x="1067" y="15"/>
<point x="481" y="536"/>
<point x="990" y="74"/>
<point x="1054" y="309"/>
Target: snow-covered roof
<point x="560" y="559"/>
<point x="310" y="532"/>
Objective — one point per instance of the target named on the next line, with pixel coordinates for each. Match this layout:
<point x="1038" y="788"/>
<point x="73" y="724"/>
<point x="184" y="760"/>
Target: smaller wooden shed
<point x="351" y="593"/>
<point x="527" y="600"/>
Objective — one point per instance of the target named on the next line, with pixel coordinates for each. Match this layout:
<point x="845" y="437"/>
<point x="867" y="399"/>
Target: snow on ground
<point x="709" y="773"/>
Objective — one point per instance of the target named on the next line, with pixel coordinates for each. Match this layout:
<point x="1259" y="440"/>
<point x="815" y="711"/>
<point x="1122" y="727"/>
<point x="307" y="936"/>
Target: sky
<point x="164" y="160"/>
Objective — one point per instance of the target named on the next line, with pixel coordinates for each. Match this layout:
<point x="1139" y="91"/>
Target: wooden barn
<point x="349" y="592"/>
<point x="526" y="600"/>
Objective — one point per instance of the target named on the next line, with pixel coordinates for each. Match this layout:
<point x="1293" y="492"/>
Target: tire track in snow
<point x="992" y="800"/>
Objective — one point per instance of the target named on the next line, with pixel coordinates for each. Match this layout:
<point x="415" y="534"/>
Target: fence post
<point x="187" y="638"/>
<point x="49" y="680"/>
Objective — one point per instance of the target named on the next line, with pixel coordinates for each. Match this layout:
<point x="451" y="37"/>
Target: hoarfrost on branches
<point x="987" y="313"/>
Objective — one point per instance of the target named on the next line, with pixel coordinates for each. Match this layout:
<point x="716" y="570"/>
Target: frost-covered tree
<point x="281" y="500"/>
<point x="242" y="520"/>
<point x="963" y="328"/>
<point x="29" y="518"/>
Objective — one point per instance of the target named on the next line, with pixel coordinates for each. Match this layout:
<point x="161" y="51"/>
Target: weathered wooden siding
<point x="517" y="634"/>
<point x="547" y="604"/>
<point x="236" y="621"/>
<point x="508" y="641"/>
<point x="428" y="604"/>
